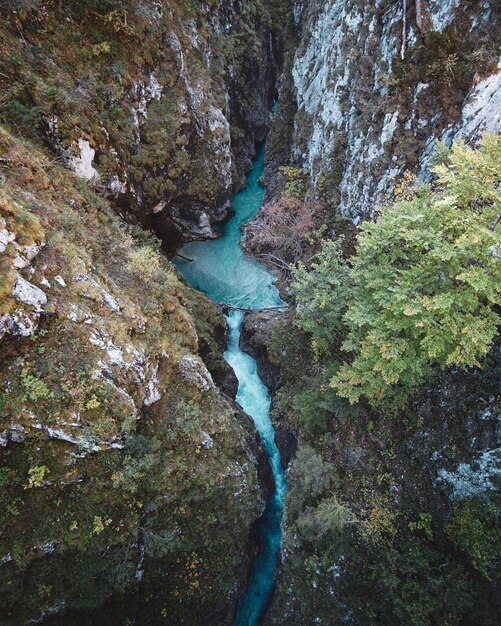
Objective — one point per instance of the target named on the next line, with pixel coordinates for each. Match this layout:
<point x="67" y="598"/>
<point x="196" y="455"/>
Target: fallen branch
<point x="275" y="260"/>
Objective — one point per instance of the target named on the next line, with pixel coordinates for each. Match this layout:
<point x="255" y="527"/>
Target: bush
<point x="35" y="389"/>
<point x="145" y="262"/>
<point x="297" y="182"/>
<point x="36" y="475"/>
<point x="474" y="530"/>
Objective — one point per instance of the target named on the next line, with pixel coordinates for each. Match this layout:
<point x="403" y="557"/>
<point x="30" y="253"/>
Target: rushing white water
<point x="222" y="271"/>
<point x="253" y="397"/>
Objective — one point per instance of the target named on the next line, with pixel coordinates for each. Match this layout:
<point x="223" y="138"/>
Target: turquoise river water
<point x="222" y="271"/>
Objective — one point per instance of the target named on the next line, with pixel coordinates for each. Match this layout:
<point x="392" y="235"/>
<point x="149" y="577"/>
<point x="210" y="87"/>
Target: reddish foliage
<point x="284" y="227"/>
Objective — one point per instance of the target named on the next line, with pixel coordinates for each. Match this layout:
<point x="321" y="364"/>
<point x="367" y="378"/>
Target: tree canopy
<point x="423" y="287"/>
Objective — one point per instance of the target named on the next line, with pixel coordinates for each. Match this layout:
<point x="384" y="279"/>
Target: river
<point x="222" y="271"/>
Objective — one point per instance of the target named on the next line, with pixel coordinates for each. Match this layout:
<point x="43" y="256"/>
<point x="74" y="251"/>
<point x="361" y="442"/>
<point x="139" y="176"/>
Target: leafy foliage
<point x="312" y="477"/>
<point x="329" y="518"/>
<point x="419" y="589"/>
<point x="321" y="293"/>
<point x="296" y="185"/>
<point x="424" y="283"/>
<point x="37" y="475"/>
<point x="474" y="529"/>
<point x="426" y="279"/>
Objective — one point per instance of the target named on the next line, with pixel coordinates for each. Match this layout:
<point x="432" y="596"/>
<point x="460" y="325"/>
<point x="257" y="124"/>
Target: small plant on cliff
<point x="35" y="389"/>
<point x="101" y="48"/>
<point x="145" y="262"/>
<point x="474" y="529"/>
<point x="37" y="475"/>
<point x="297" y="182"/>
<point x="100" y="524"/>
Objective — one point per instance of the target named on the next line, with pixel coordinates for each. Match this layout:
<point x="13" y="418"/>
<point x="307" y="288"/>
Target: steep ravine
<point x="221" y="270"/>
<point x="107" y="403"/>
<point x="129" y="477"/>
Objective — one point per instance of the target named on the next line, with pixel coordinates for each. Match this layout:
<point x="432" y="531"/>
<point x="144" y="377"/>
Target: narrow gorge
<point x="220" y="269"/>
<point x="249" y="312"/>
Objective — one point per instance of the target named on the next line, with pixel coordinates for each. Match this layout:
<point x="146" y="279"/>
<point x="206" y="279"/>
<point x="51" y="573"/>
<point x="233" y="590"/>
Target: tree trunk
<point x="419" y="15"/>
<point x="404" y="31"/>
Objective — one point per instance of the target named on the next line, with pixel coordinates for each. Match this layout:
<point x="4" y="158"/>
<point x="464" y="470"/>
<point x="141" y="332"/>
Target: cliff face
<point x="121" y="461"/>
<point x="422" y="488"/>
<point x="369" y="97"/>
<point x="364" y="101"/>
<point x="128" y="480"/>
<point x="158" y="103"/>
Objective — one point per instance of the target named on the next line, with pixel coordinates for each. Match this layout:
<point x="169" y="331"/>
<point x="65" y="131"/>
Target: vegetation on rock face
<point x="424" y="283"/>
<point x="152" y="87"/>
<point x="391" y="374"/>
<point x="119" y="458"/>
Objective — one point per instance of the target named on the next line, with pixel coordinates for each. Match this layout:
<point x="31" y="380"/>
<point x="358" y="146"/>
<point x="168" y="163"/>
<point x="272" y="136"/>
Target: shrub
<point x="284" y="229"/>
<point x="101" y="48"/>
<point x="145" y="262"/>
<point x="378" y="520"/>
<point x="474" y="530"/>
<point x="35" y="389"/>
<point x="297" y="182"/>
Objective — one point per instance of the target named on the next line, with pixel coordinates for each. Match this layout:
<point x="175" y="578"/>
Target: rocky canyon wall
<point x="128" y="479"/>
<point x="368" y="98"/>
<point x="158" y="103"/>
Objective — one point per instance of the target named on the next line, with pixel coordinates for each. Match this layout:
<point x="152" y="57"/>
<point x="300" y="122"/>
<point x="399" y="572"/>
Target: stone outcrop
<point x="168" y="121"/>
<point x="373" y="97"/>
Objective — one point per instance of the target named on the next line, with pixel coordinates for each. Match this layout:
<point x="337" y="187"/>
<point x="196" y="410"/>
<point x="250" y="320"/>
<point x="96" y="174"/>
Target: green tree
<point x="328" y="519"/>
<point x="423" y="286"/>
<point x="321" y="293"/>
<point x="311" y="476"/>
<point x="427" y="278"/>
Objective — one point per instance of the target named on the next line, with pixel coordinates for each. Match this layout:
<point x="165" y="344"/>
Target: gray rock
<point x="29" y="294"/>
<point x="18" y="324"/>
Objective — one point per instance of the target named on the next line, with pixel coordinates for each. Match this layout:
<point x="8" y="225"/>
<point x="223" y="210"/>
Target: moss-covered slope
<point x="124" y="473"/>
<point x="162" y="102"/>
